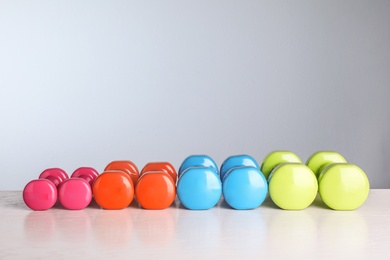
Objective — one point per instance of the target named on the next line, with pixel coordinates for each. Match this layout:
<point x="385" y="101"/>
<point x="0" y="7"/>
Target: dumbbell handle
<point x="87" y="178"/>
<point x="55" y="175"/>
<point x="53" y="179"/>
<point x="87" y="173"/>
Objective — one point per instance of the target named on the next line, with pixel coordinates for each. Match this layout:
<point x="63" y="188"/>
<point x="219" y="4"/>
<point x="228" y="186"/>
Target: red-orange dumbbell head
<point x="114" y="188"/>
<point x="127" y="166"/>
<point x="158" y="166"/>
<point x="156" y="186"/>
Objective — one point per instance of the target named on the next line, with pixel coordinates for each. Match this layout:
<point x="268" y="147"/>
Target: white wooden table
<point x="133" y="233"/>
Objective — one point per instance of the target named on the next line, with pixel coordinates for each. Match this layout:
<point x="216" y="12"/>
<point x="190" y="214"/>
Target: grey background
<point x="87" y="82"/>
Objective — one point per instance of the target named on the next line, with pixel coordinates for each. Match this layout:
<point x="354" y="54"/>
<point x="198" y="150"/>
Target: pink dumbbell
<point x="41" y="194"/>
<point x="76" y="193"/>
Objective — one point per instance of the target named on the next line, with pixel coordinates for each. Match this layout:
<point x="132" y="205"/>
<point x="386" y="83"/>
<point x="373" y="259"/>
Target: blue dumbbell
<point x="199" y="186"/>
<point x="243" y="184"/>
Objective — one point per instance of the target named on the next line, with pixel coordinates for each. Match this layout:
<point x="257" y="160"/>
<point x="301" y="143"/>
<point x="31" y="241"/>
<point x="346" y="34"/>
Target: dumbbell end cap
<point x="344" y="186"/>
<point x="237" y="161"/>
<point x="40" y="194"/>
<point x="113" y="189"/>
<point x="244" y="188"/>
<point x="293" y="186"/>
<point x="199" y="188"/>
<point x="197" y="160"/>
<point x="75" y="194"/>
<point x="275" y="158"/>
<point x="155" y="190"/>
<point x="320" y="159"/>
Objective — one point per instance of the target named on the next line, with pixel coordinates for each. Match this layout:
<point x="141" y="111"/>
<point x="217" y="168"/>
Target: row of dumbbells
<point x="199" y="183"/>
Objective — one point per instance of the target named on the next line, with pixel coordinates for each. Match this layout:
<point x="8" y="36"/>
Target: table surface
<point x="266" y="232"/>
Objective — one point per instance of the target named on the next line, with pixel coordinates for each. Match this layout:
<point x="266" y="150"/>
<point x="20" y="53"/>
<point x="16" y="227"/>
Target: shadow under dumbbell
<point x="319" y="203"/>
<point x="180" y="206"/>
<point x="268" y="203"/>
<point x="134" y="204"/>
<point x="58" y="205"/>
<point x="223" y="204"/>
<point x="175" y="204"/>
<point x="93" y="204"/>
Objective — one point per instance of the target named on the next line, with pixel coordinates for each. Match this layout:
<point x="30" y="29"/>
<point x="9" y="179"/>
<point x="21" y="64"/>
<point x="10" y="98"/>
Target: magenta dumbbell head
<point x="76" y="193"/>
<point x="41" y="194"/>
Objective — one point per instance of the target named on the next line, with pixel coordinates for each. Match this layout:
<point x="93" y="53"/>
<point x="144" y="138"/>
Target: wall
<point x="87" y="82"/>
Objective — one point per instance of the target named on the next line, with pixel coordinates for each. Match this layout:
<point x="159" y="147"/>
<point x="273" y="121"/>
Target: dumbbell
<point x="156" y="186"/>
<point x="41" y="194"/>
<point x="199" y="186"/>
<point x="243" y="184"/>
<point x="114" y="188"/>
<point x="292" y="185"/>
<point x="342" y="186"/>
<point x="76" y="192"/>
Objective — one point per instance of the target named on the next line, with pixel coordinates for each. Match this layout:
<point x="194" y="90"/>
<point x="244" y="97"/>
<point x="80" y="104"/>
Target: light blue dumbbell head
<point x="244" y="187"/>
<point x="237" y="160"/>
<point x="243" y="184"/>
<point x="199" y="186"/>
<point x="198" y="160"/>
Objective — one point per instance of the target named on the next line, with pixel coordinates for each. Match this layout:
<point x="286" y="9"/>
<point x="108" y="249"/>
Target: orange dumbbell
<point x="156" y="186"/>
<point x="114" y="188"/>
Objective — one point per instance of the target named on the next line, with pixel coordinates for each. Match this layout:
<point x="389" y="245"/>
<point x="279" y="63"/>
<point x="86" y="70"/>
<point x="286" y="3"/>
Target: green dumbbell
<point x="292" y="185"/>
<point x="342" y="186"/>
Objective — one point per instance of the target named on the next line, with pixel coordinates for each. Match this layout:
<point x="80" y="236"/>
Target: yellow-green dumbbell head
<point x="321" y="159"/>
<point x="292" y="186"/>
<point x="275" y="158"/>
<point x="343" y="186"/>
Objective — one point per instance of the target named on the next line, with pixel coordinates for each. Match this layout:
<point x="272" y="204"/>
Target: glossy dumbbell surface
<point x="114" y="188"/>
<point x="243" y="184"/>
<point x="342" y="185"/>
<point x="126" y="166"/>
<point x="156" y="188"/>
<point x="292" y="185"/>
<point x="275" y="158"/>
<point x="160" y="166"/>
<point x="198" y="160"/>
<point x="199" y="186"/>
<point x="41" y="194"/>
<point x="76" y="192"/>
<point x="236" y="161"/>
